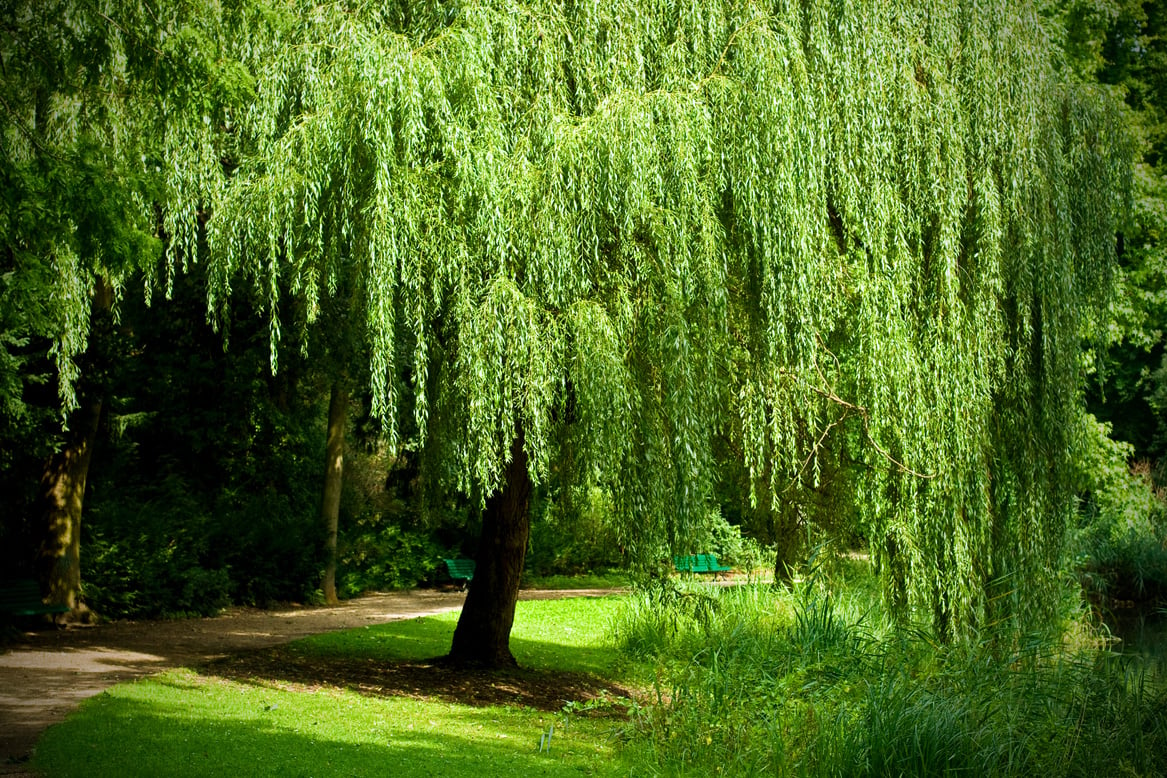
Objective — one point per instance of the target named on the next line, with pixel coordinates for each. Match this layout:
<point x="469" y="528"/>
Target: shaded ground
<point x="286" y="668"/>
<point x="45" y="674"/>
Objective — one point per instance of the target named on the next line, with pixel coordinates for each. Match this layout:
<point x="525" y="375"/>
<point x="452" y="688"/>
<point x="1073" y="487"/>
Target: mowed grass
<point x="569" y="635"/>
<point x="192" y="723"/>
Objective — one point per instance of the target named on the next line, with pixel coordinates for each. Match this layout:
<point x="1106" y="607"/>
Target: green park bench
<point x="700" y="564"/>
<point x="461" y="570"/>
<point x="22" y="597"/>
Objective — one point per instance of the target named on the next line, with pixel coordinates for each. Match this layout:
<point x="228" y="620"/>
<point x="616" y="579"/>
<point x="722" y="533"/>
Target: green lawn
<point x="571" y="635"/>
<point x="188" y="723"/>
<point x="740" y="681"/>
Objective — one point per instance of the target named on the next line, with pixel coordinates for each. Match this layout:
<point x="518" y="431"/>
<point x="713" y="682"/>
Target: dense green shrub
<point x="1121" y="539"/>
<point x="168" y="549"/>
<point x="378" y="555"/>
<point x="573" y="536"/>
<point x="271" y="541"/>
<point x="147" y="555"/>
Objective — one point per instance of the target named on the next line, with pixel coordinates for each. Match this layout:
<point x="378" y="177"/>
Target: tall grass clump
<point x="817" y="681"/>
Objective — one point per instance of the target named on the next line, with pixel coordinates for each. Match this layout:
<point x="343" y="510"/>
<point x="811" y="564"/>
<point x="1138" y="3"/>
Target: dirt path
<point x="46" y="675"/>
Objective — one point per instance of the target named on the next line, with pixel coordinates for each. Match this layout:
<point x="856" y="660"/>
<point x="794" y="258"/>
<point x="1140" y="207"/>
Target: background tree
<point x="558" y="218"/>
<point x="1122" y="47"/>
<point x="208" y="488"/>
<point x="70" y="226"/>
<point x="95" y="99"/>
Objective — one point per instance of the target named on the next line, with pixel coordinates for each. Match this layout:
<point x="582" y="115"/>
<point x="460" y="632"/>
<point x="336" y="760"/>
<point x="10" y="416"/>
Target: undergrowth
<point x="754" y="681"/>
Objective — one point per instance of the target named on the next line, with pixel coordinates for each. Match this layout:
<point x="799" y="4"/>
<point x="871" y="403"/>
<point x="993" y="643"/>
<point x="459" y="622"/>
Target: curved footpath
<point x="46" y="674"/>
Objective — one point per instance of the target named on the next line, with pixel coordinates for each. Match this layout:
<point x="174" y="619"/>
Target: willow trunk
<point x="482" y="637"/>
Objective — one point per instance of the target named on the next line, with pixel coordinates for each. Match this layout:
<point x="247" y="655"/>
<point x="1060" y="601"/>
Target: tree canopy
<point x="568" y="217"/>
<point x="865" y="232"/>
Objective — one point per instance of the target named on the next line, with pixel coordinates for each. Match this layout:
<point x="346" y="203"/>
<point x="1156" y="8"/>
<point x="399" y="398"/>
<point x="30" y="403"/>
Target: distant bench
<point x="461" y="570"/>
<point x="700" y="563"/>
<point x="22" y="597"/>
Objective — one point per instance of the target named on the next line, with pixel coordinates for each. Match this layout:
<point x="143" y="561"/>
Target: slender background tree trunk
<point x="482" y="637"/>
<point x="63" y="484"/>
<point x="333" y="480"/>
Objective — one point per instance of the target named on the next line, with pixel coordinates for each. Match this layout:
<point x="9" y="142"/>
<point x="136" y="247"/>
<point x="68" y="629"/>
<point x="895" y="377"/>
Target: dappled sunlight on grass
<point x="306" y="709"/>
<point x="184" y="724"/>
<point x="569" y="635"/>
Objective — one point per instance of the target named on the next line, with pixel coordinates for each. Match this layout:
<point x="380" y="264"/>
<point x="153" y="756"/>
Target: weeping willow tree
<point x="592" y="236"/>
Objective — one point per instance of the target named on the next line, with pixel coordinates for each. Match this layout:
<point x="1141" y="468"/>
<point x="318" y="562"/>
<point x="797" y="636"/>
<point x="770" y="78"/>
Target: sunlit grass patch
<point x="739" y="681"/>
<point x="187" y="722"/>
<point x="571" y="635"/>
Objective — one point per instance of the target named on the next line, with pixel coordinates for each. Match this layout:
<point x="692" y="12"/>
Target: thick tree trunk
<point x="63" y="493"/>
<point x="482" y="637"/>
<point x="784" y="563"/>
<point x="333" y="480"/>
<point x="63" y="487"/>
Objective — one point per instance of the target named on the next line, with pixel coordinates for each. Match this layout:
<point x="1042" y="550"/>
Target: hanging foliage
<point x="868" y="228"/>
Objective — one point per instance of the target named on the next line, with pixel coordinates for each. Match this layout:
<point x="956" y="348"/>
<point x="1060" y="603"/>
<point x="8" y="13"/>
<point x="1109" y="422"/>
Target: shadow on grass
<point x="566" y="661"/>
<point x="560" y="635"/>
<point x="123" y="737"/>
<point x="358" y="702"/>
<point x="379" y="672"/>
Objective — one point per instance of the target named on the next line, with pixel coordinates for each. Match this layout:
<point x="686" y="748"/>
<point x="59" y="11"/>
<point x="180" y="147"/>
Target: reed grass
<point x="817" y="681"/>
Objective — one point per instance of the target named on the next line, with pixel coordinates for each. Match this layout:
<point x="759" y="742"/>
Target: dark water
<point x="1142" y="638"/>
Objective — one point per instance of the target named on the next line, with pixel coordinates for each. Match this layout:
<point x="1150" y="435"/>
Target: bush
<point x="271" y="541"/>
<point x="571" y="537"/>
<point x="378" y="555"/>
<point x="151" y="558"/>
<point x="1121" y="539"/>
<point x="726" y="541"/>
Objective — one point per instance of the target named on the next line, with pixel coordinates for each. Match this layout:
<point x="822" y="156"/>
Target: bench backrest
<point x="698" y="563"/>
<point x="22" y="597"/>
<point x="460" y="568"/>
<point x="710" y="562"/>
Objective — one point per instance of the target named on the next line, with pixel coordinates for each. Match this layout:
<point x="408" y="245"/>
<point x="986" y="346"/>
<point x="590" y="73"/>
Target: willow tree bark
<point x="333" y="481"/>
<point x="482" y="637"/>
<point x="63" y="484"/>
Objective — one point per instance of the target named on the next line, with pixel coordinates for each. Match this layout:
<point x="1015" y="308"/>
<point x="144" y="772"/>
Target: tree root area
<point x="544" y="690"/>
